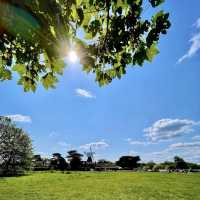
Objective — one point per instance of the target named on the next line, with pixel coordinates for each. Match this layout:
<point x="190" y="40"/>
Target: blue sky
<point x="153" y="111"/>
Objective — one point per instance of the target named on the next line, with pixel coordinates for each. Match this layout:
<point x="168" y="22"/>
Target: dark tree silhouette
<point x="150" y="165"/>
<point x="37" y="158"/>
<point x="75" y="159"/>
<point x="40" y="164"/>
<point x="128" y="162"/>
<point x="180" y="163"/>
<point x="58" y="162"/>
<point x="37" y="162"/>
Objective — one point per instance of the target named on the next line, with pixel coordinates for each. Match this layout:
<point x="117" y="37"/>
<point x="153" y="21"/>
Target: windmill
<point x="90" y="155"/>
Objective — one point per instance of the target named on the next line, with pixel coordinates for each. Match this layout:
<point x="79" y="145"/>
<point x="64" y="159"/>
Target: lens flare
<point x="16" y="20"/>
<point x="72" y="56"/>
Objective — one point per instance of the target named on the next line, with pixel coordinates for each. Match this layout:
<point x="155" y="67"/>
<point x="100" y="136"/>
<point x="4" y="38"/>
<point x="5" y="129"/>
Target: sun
<point x="72" y="56"/>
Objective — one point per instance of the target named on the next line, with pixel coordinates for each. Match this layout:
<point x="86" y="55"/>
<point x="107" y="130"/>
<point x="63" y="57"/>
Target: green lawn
<point x="101" y="186"/>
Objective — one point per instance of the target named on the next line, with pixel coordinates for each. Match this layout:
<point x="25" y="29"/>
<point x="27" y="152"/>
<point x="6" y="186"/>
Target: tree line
<point x="16" y="157"/>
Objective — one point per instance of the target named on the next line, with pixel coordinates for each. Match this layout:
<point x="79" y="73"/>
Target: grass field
<point x="101" y="186"/>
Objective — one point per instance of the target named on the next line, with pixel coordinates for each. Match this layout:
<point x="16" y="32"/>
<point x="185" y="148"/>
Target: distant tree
<point x="75" y="159"/>
<point x="47" y="163"/>
<point x="15" y="148"/>
<point x="37" y="158"/>
<point x="157" y="167"/>
<point x="104" y="161"/>
<point x="37" y="162"/>
<point x="104" y="165"/>
<point x="141" y="165"/>
<point x="169" y="165"/>
<point x="58" y="162"/>
<point x="193" y="165"/>
<point x="180" y="163"/>
<point x="150" y="165"/>
<point x="128" y="162"/>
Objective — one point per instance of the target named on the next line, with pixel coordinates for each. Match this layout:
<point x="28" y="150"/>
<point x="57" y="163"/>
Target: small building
<point x="106" y="167"/>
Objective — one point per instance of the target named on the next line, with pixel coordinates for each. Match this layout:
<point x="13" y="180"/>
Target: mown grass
<point x="101" y="186"/>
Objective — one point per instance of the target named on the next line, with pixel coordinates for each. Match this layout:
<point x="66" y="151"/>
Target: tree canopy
<point x="75" y="159"/>
<point x="15" y="148"/>
<point x="128" y="162"/>
<point x="180" y="163"/>
<point x="36" y="36"/>
<point x="58" y="162"/>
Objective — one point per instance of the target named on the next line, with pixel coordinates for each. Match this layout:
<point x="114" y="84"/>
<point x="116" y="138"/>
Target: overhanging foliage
<point x="116" y="35"/>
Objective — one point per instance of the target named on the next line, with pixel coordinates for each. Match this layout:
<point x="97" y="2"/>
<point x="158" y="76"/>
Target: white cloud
<point x="95" y="145"/>
<point x="136" y="142"/>
<point x="196" y="137"/>
<point x="197" y="23"/>
<point x="183" y="145"/>
<point x="19" y="118"/>
<point x="166" y="129"/>
<point x="84" y="93"/>
<point x="157" y="156"/>
<point x="190" y="151"/>
<point x="195" y="44"/>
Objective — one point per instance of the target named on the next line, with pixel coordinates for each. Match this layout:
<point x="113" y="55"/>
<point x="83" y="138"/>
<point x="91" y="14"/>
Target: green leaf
<point x="152" y="52"/>
<point x="156" y="3"/>
<point x="88" y="35"/>
<point x="87" y="68"/>
<point x="87" y="60"/>
<point x="78" y="2"/>
<point x="112" y="73"/>
<point x="49" y="80"/>
<point x="140" y="56"/>
<point x="86" y="19"/>
<point x="58" y="66"/>
<point x="80" y="15"/>
<point x="5" y="74"/>
<point x="2" y="62"/>
<point x="121" y="3"/>
<point x="52" y="30"/>
<point x="74" y="13"/>
<point x="46" y="60"/>
<point x="20" y="69"/>
<point x="159" y="14"/>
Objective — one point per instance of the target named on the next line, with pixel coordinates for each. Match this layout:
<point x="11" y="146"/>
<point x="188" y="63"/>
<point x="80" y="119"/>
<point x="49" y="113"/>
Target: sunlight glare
<point x="72" y="56"/>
